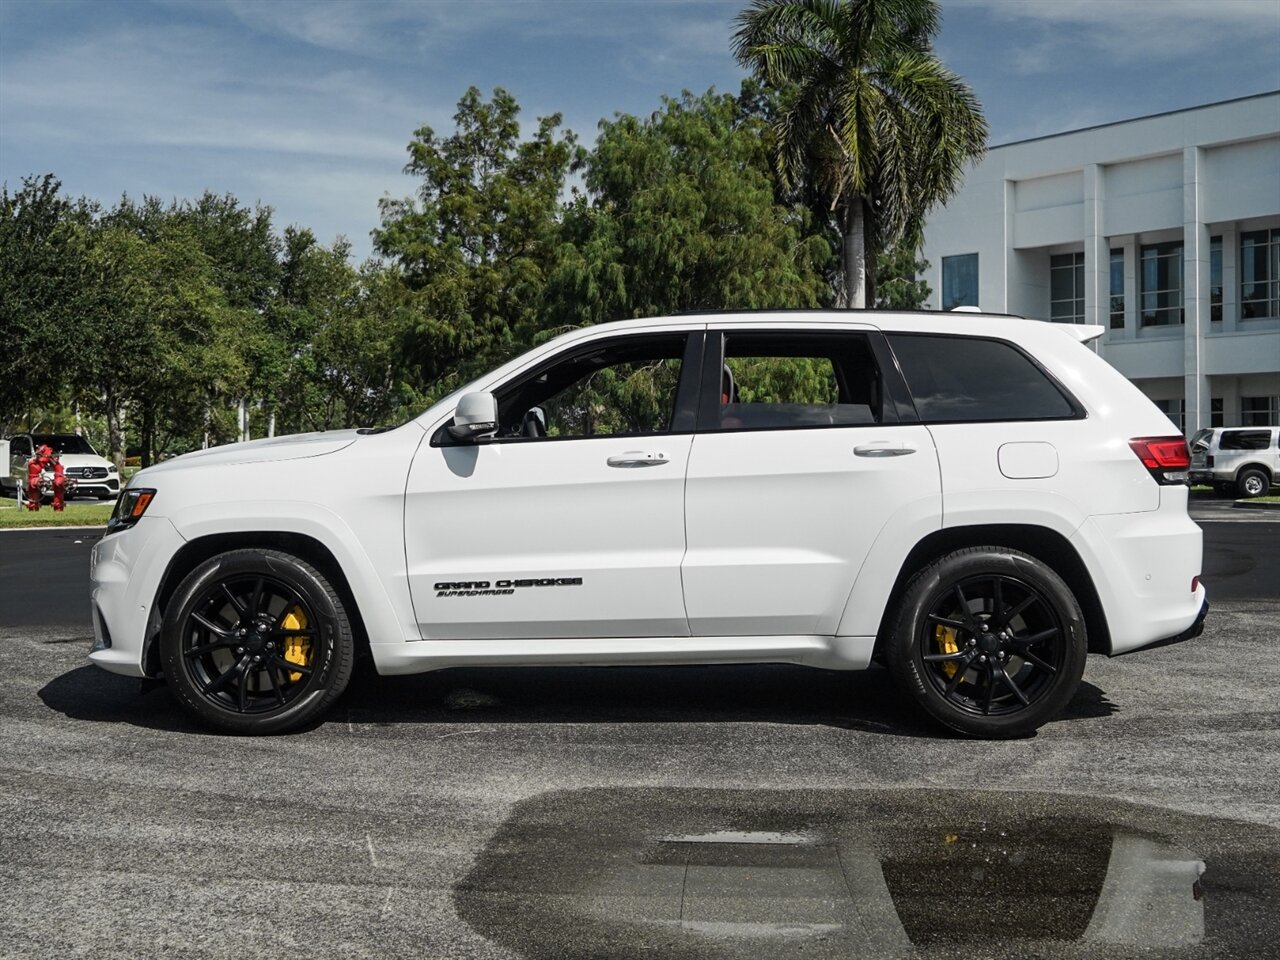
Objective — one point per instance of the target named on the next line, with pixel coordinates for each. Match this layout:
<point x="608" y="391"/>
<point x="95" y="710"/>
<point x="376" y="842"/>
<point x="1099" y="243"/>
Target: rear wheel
<point x="1253" y="482"/>
<point x="988" y="641"/>
<point x="256" y="641"/>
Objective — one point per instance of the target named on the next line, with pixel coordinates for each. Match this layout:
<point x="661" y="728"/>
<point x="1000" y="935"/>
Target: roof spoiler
<point x="1084" y="332"/>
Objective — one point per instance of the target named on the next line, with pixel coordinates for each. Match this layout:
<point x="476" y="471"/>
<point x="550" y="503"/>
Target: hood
<point x="294" y="447"/>
<point x="83" y="460"/>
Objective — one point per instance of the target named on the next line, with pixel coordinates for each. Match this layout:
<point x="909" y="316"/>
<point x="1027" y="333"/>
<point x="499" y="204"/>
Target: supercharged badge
<point x="499" y="588"/>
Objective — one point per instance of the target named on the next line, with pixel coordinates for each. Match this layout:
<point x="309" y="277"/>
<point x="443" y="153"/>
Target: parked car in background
<point x="974" y="501"/>
<point x="1237" y="461"/>
<point x="95" y="476"/>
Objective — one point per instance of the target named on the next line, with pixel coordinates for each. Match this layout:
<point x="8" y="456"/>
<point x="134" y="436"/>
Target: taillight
<point x="1167" y="458"/>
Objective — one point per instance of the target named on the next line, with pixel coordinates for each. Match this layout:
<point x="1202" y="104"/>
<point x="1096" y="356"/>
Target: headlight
<point x="111" y="468"/>
<point x="130" y="507"/>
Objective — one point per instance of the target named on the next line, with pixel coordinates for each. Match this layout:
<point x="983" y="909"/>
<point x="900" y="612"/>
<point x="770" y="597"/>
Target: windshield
<point x="63" y="443"/>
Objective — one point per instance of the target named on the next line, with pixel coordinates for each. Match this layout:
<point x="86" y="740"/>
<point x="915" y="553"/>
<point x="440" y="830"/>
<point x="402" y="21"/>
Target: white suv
<point x="1238" y="461"/>
<point x="974" y="501"/>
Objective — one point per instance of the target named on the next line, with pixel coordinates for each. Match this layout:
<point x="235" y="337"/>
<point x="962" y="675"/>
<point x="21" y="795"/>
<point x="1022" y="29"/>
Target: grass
<point x="79" y="513"/>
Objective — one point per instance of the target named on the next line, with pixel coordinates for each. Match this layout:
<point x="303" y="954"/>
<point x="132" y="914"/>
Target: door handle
<point x="884" y="448"/>
<point x="636" y="458"/>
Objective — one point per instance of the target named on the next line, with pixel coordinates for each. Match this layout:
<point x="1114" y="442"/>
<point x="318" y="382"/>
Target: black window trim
<point x="896" y="406"/>
<point x="1078" y="409"/>
<point x="682" y="417"/>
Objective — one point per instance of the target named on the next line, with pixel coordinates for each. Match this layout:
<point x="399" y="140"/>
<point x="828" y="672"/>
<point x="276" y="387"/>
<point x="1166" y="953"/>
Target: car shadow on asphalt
<point x="865" y="701"/>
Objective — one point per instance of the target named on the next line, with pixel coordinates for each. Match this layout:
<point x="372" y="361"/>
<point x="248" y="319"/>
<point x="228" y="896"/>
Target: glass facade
<point x="1066" y="288"/>
<point x="1260" y="274"/>
<point x="1117" y="289"/>
<point x="1259" y="411"/>
<point x="1215" y="412"/>
<point x="1173" y="409"/>
<point x="1161" y="284"/>
<point x="960" y="281"/>
<point x="1215" y="278"/>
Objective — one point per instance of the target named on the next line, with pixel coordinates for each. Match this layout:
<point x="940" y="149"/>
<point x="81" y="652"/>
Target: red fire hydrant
<point x="35" y="472"/>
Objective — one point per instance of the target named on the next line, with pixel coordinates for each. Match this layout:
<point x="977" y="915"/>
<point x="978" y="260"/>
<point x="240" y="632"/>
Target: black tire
<point x="232" y="664"/>
<point x="1253" y="482"/>
<point x="1018" y="615"/>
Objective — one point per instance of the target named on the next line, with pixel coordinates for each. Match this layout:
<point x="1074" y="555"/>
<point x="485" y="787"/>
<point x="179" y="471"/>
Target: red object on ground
<point x="35" y="467"/>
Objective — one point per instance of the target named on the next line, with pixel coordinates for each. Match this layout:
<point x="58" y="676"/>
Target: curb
<point x="4" y="530"/>
<point x="1253" y="505"/>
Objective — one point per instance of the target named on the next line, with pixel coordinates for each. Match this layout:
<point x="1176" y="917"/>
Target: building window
<point x="1215" y="412"/>
<point x="1161" y="277"/>
<point x="1260" y="274"/>
<point x="1215" y="278"/>
<point x="1117" y="289"/>
<point x="1259" y="411"/>
<point x="1066" y="288"/>
<point x="960" y="281"/>
<point x="1173" y="409"/>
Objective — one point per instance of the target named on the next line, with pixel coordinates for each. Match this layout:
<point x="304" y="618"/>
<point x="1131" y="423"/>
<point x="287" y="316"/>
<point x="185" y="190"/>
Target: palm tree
<point x="873" y="124"/>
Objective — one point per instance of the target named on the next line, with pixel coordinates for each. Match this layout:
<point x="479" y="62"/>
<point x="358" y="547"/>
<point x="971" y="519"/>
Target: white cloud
<point x="1140" y="29"/>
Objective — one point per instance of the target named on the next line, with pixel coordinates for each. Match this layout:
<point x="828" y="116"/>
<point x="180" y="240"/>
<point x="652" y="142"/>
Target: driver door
<point x="569" y="523"/>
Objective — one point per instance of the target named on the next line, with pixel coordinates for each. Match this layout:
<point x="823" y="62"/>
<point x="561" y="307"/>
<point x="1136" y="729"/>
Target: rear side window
<point x="788" y="380"/>
<point x="968" y="379"/>
<point x="1245" y="440"/>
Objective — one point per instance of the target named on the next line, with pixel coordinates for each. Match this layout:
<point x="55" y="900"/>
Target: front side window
<point x="772" y="381"/>
<point x="1066" y="288"/>
<point x="1117" y="289"/>
<point x="1161" y="277"/>
<point x="960" y="281"/>
<point x="1260" y="274"/>
<point x="967" y="379"/>
<point x="620" y="388"/>
<point x="1259" y="411"/>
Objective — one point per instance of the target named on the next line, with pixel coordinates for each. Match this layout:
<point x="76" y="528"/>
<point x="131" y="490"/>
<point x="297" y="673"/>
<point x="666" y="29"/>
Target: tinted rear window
<point x="970" y="379"/>
<point x="1245" y="440"/>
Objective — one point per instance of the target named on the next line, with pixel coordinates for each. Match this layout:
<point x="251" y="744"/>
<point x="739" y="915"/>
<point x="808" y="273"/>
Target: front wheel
<point x="989" y="641"/>
<point x="256" y="641"/>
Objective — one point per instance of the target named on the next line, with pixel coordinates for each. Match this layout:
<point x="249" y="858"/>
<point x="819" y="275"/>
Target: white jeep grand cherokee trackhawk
<point x="973" y="500"/>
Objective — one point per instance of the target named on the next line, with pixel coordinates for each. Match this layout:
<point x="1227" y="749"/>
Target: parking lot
<point x="701" y="811"/>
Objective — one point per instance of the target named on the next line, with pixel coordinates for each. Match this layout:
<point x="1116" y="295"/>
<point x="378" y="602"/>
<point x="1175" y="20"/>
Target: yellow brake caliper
<point x="947" y="643"/>
<point x="297" y="649"/>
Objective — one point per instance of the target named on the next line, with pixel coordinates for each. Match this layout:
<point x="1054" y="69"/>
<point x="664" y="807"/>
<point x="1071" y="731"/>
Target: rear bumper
<point x="1143" y="566"/>
<point x="1190" y="633"/>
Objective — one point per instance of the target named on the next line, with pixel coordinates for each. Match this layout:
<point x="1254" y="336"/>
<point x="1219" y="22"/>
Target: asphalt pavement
<point x="691" y="812"/>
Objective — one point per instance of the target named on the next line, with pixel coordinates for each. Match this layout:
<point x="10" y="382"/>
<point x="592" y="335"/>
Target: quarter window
<point x="781" y="381"/>
<point x="960" y="281"/>
<point x="1245" y="440"/>
<point x="1066" y="288"/>
<point x="958" y="379"/>
<point x="1260" y="274"/>
<point x="1161" y="276"/>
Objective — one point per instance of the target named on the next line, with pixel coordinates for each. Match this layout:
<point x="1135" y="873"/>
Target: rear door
<point x="805" y="447"/>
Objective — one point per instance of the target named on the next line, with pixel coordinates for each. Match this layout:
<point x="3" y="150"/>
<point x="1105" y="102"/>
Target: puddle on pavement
<point x="621" y="873"/>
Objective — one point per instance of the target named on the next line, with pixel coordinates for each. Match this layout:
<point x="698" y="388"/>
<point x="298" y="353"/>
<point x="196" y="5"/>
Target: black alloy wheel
<point x="256" y="641"/>
<point x="990" y="641"/>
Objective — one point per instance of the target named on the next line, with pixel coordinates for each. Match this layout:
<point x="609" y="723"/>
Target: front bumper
<point x="126" y="569"/>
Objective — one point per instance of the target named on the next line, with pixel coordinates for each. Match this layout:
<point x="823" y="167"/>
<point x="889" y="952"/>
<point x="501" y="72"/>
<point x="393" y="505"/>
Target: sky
<point x="307" y="105"/>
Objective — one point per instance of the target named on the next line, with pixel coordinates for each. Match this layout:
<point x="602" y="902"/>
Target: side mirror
<point x="476" y="416"/>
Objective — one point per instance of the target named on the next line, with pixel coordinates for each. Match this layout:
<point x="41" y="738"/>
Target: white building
<point x="1164" y="229"/>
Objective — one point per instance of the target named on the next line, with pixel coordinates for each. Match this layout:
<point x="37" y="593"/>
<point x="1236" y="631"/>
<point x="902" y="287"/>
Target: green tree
<point x="42" y="273"/>
<point x="681" y="214"/>
<point x="475" y="244"/>
<point x="875" y="125"/>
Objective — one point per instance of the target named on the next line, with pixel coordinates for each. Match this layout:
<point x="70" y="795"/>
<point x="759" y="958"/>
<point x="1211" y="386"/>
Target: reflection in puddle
<point x="689" y="873"/>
